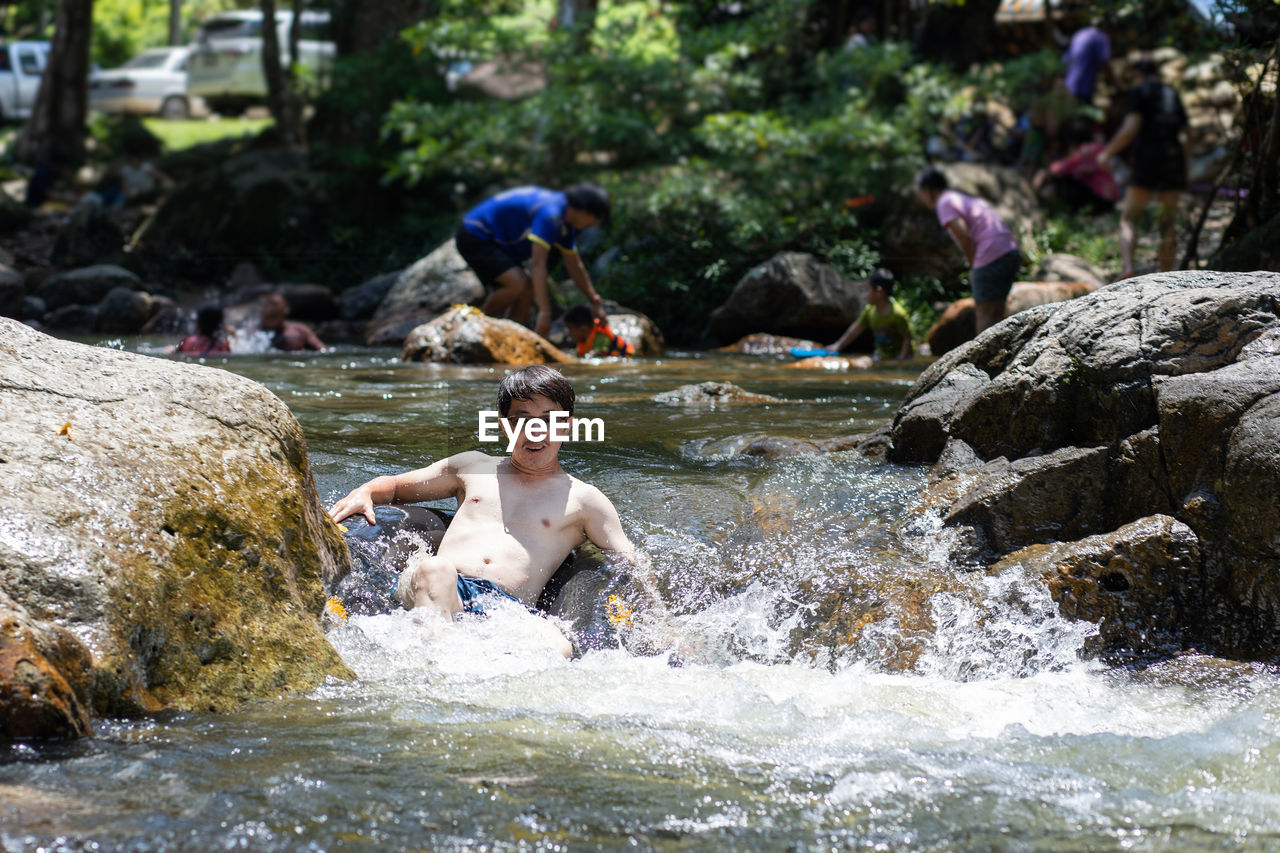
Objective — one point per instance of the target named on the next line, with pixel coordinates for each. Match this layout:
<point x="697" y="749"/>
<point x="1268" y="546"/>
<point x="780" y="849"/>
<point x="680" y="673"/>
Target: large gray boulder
<point x="356" y="304"/>
<point x="85" y="286"/>
<point x="13" y="292"/>
<point x="464" y="335"/>
<point x="423" y="291"/>
<point x="164" y="515"/>
<point x="252" y="204"/>
<point x="790" y="294"/>
<point x="636" y="328"/>
<point x="125" y="311"/>
<point x="1155" y="396"/>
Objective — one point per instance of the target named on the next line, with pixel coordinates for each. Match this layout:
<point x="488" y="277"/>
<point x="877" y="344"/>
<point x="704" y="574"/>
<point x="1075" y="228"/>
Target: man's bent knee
<point x="432" y="577"/>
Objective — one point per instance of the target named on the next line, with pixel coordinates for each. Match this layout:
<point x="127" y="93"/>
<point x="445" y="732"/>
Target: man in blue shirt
<point x="499" y="235"/>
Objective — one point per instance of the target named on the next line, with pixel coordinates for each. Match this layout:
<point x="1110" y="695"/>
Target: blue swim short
<point x="473" y="591"/>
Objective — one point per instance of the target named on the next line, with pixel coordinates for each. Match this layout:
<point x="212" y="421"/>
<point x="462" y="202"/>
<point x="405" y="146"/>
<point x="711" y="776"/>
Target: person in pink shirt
<point x="988" y="244"/>
<point x="1079" y="179"/>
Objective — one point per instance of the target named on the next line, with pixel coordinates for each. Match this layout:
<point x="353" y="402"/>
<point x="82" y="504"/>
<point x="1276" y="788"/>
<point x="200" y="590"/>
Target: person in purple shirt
<point x="988" y="244"/>
<point x="1087" y="55"/>
<point x="499" y="235"/>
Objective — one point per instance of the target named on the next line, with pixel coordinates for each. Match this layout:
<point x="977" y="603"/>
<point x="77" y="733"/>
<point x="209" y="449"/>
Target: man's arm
<point x="578" y="272"/>
<point x="313" y="340"/>
<point x="960" y="232"/>
<point x="1128" y="130"/>
<point x="850" y="335"/>
<point x="438" y="480"/>
<point x="601" y="524"/>
<point x="908" y="345"/>
<point x="541" y="295"/>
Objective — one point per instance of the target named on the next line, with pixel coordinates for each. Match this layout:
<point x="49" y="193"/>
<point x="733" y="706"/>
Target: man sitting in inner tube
<point x="518" y="517"/>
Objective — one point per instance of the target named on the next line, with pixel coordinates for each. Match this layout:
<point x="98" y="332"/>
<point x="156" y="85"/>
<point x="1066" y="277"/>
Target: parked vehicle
<point x="225" y="67"/>
<point x="22" y="65"/>
<point x="152" y="83"/>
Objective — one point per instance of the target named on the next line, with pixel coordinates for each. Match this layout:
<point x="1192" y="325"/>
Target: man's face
<point x="579" y="219"/>
<point x="578" y="333"/>
<point x="272" y="313"/>
<point x="533" y="454"/>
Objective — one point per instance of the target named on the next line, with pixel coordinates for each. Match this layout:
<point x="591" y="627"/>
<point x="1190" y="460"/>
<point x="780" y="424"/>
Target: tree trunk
<point x="958" y="35"/>
<point x="360" y="27"/>
<point x="282" y="97"/>
<point x="54" y="134"/>
<point x="175" y="22"/>
<point x="578" y="17"/>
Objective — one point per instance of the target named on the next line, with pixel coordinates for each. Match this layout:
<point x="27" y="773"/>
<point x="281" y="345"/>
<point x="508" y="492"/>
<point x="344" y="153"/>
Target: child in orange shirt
<point x="594" y="337"/>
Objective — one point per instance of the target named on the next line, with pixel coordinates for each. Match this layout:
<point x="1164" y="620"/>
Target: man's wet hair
<point x="528" y="382"/>
<point x="209" y="320"/>
<point x="589" y="198"/>
<point x="932" y="178"/>
<point x="883" y="279"/>
<point x="579" y="315"/>
<point x="1146" y="66"/>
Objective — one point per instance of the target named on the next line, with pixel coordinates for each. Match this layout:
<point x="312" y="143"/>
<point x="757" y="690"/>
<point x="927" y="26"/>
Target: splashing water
<point x="825" y="679"/>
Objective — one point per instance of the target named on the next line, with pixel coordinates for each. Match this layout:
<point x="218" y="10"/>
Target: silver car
<point x="152" y="83"/>
<point x="226" y="62"/>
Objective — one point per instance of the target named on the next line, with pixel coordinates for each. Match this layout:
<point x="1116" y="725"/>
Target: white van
<point x="22" y="65"/>
<point x="225" y="67"/>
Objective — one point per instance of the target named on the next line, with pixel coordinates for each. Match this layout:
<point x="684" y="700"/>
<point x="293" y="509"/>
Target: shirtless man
<point x="517" y="518"/>
<point x="287" y="335"/>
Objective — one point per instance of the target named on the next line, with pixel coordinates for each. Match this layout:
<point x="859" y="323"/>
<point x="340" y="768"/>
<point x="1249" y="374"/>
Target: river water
<point x="743" y="727"/>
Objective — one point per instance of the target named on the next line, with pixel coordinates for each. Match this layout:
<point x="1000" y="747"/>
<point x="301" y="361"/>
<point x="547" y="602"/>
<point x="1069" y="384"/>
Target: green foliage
<point x="124" y="28"/>
<point x="117" y="136"/>
<point x="723" y="140"/>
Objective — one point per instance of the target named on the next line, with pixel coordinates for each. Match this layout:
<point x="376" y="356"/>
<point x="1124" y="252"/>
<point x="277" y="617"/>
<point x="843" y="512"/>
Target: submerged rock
<point x="1159" y="395"/>
<point x="712" y="394"/>
<point x="44" y="678"/>
<point x="763" y="343"/>
<point x="777" y="446"/>
<point x="1138" y="583"/>
<point x="464" y="335"/>
<point x="838" y="363"/>
<point x="164" y="514"/>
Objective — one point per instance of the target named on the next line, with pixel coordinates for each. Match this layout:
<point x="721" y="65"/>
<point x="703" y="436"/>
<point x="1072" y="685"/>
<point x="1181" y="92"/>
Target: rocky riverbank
<point x="162" y="545"/>
<point x="1124" y="446"/>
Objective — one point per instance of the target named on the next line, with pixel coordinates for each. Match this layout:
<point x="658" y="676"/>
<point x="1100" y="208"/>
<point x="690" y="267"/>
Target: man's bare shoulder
<point x="589" y="496"/>
<point x="473" y="462"/>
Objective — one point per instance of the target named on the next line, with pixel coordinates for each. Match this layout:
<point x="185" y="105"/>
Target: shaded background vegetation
<point x="726" y="131"/>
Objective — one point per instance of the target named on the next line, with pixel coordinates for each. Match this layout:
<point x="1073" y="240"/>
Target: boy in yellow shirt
<point x="886" y="319"/>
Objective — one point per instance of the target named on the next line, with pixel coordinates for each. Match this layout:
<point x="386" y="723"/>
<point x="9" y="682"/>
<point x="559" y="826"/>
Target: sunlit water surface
<point x="469" y="736"/>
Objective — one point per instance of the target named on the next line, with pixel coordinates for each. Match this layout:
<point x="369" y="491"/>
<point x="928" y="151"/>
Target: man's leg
<point x="430" y="583"/>
<point x="987" y="314"/>
<point x="1136" y="200"/>
<point x="515" y="289"/>
<point x="1167" y="218"/>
